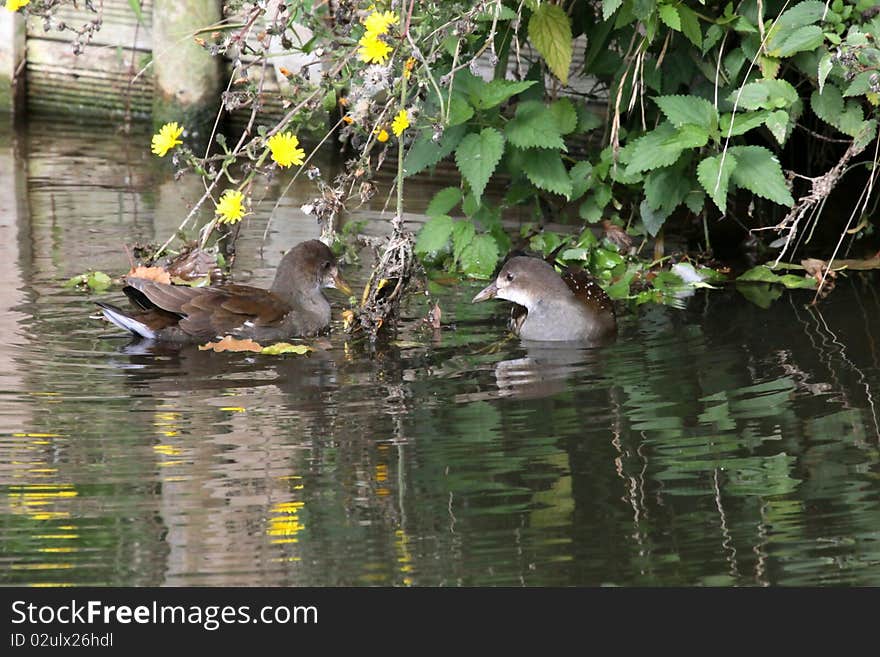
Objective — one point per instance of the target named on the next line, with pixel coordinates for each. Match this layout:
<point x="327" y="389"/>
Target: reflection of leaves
<point x="760" y="294"/>
<point x="761" y="475"/>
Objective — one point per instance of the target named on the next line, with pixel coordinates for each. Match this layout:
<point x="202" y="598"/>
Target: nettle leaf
<point x="565" y="115"/>
<point x="825" y="66"/>
<point x="609" y="7"/>
<point x="434" y="235"/>
<point x="459" y="111"/>
<point x="827" y="105"/>
<point x="550" y="33"/>
<point x="669" y="15"/>
<point x="769" y="66"/>
<point x="808" y="37"/>
<point x="426" y="153"/>
<point x="463" y="233"/>
<point x="866" y="135"/>
<point x="758" y="171"/>
<point x="534" y="126"/>
<point x="695" y="200"/>
<point x="580" y="175"/>
<point x="652" y="218"/>
<point x="861" y="84"/>
<point x="778" y="124"/>
<point x="479" y="258"/>
<point x="764" y="94"/>
<point x="544" y="168"/>
<point x="666" y="188"/>
<point x="690" y="25"/>
<point x="742" y="122"/>
<point x="688" y="109"/>
<point x="444" y="201"/>
<point x="587" y="119"/>
<point x="496" y="92"/>
<point x="663" y="146"/>
<point x="477" y="156"/>
<point x="850" y="121"/>
<point x="713" y="174"/>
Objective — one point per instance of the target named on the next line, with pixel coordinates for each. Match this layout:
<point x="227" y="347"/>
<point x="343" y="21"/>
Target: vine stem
<point x="400" y="152"/>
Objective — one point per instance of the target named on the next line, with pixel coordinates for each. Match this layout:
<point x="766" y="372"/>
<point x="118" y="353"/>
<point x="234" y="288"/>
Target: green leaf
<point x="479" y="258"/>
<point x="136" y="8"/>
<point x="534" y="126"/>
<point x="713" y="174"/>
<point x="866" y="135"/>
<point x="587" y="119"/>
<point x="98" y="281"/>
<point x="695" y="200"/>
<point x="565" y="115"/>
<point x="825" y="66"/>
<point x="580" y="178"/>
<point x="459" y="111"/>
<point x="609" y="7"/>
<point x="742" y="122"/>
<point x="462" y="235"/>
<point x="286" y="348"/>
<point x="497" y="12"/>
<point x="653" y="219"/>
<point x="544" y="168"/>
<point x="763" y="274"/>
<point x="827" y="105"/>
<point x="808" y="37"/>
<point x="765" y="94"/>
<point x="690" y="25"/>
<point x="669" y="15"/>
<point x="860" y="85"/>
<point x="769" y="66"/>
<point x="758" y="171"/>
<point x="778" y="124"/>
<point x="850" y="121"/>
<point x="662" y="146"/>
<point x="426" y="153"/>
<point x="688" y="109"/>
<point x="550" y="33"/>
<point x="477" y="156"/>
<point x="434" y="234"/>
<point x="666" y="188"/>
<point x="496" y="92"/>
<point x="444" y="201"/>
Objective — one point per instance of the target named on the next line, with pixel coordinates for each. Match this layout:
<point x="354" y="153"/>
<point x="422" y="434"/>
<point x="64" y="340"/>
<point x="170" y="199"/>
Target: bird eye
<point x="509" y="276"/>
<point x="326" y="264"/>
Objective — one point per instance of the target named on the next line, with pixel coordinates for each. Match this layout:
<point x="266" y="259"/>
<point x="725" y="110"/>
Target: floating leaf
<point x="763" y="274"/>
<point x="550" y="33"/>
<point x="231" y="344"/>
<point x="96" y="281"/>
<point x="477" y="157"/>
<point x="286" y="348"/>
<point x="151" y="274"/>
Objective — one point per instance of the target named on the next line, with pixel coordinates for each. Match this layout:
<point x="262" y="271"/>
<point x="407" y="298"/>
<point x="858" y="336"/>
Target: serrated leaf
<point x="865" y="135"/>
<point x="550" y="33"/>
<point x="777" y="123"/>
<point x="808" y="37"/>
<point x="426" y="153"/>
<point x="713" y="174"/>
<point x="459" y="111"/>
<point x="580" y="178"/>
<point x="687" y="136"/>
<point x="758" y="171"/>
<point x="587" y="119"/>
<point x="742" y="122"/>
<point x="534" y="126"/>
<point x="496" y="92"/>
<point x="695" y="200"/>
<point x="666" y="188"/>
<point x="609" y="7"/>
<point x="825" y="66"/>
<point x="434" y="235"/>
<point x="565" y="115"/>
<point x="444" y="201"/>
<point x="851" y="119"/>
<point x="477" y="156"/>
<point x="769" y="66"/>
<point x="479" y="258"/>
<point x="827" y="105"/>
<point x="764" y="94"/>
<point x="462" y="235"/>
<point x="690" y="25"/>
<point x="497" y="12"/>
<point x="544" y="168"/>
<point x="669" y="15"/>
<point x="653" y="219"/>
<point x="860" y="85"/>
<point x="688" y="109"/>
<point x="663" y="146"/>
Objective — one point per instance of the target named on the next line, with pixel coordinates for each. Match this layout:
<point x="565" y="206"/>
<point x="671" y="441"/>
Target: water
<point x="721" y="444"/>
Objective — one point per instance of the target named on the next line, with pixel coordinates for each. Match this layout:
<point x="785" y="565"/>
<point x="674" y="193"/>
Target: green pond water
<point x="719" y="444"/>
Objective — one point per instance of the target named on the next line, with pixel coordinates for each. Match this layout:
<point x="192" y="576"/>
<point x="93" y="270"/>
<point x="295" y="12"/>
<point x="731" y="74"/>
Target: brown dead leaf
<point x="232" y="344"/>
<point x="151" y="274"/>
<point x="818" y="269"/>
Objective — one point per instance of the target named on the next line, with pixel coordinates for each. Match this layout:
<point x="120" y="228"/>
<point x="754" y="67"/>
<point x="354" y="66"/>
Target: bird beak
<point x="487" y="292"/>
<point x="340" y="284"/>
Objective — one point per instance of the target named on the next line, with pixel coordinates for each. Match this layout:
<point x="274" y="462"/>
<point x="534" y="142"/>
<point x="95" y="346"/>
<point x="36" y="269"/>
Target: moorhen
<point x="293" y="307"/>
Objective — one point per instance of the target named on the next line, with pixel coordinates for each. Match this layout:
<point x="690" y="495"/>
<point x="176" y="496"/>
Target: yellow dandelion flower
<point x="285" y="149"/>
<point x="166" y="138"/>
<point x="230" y="209"/>
<point x="379" y="22"/>
<point x="400" y="123"/>
<point x="15" y="5"/>
<point x="408" y="67"/>
<point x="373" y="50"/>
<point x="382" y="135"/>
<point x="347" y="119"/>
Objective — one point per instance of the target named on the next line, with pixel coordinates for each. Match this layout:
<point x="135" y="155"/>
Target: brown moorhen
<point x="571" y="307"/>
<point x="293" y="307"/>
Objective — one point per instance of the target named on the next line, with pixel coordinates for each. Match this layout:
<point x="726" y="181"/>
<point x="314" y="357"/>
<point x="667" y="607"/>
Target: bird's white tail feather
<point x="128" y="323"/>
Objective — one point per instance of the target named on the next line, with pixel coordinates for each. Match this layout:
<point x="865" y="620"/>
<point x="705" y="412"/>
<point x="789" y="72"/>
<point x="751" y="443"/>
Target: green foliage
<point x="550" y="33"/>
<point x="91" y="281"/>
<point x="477" y="156"/>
